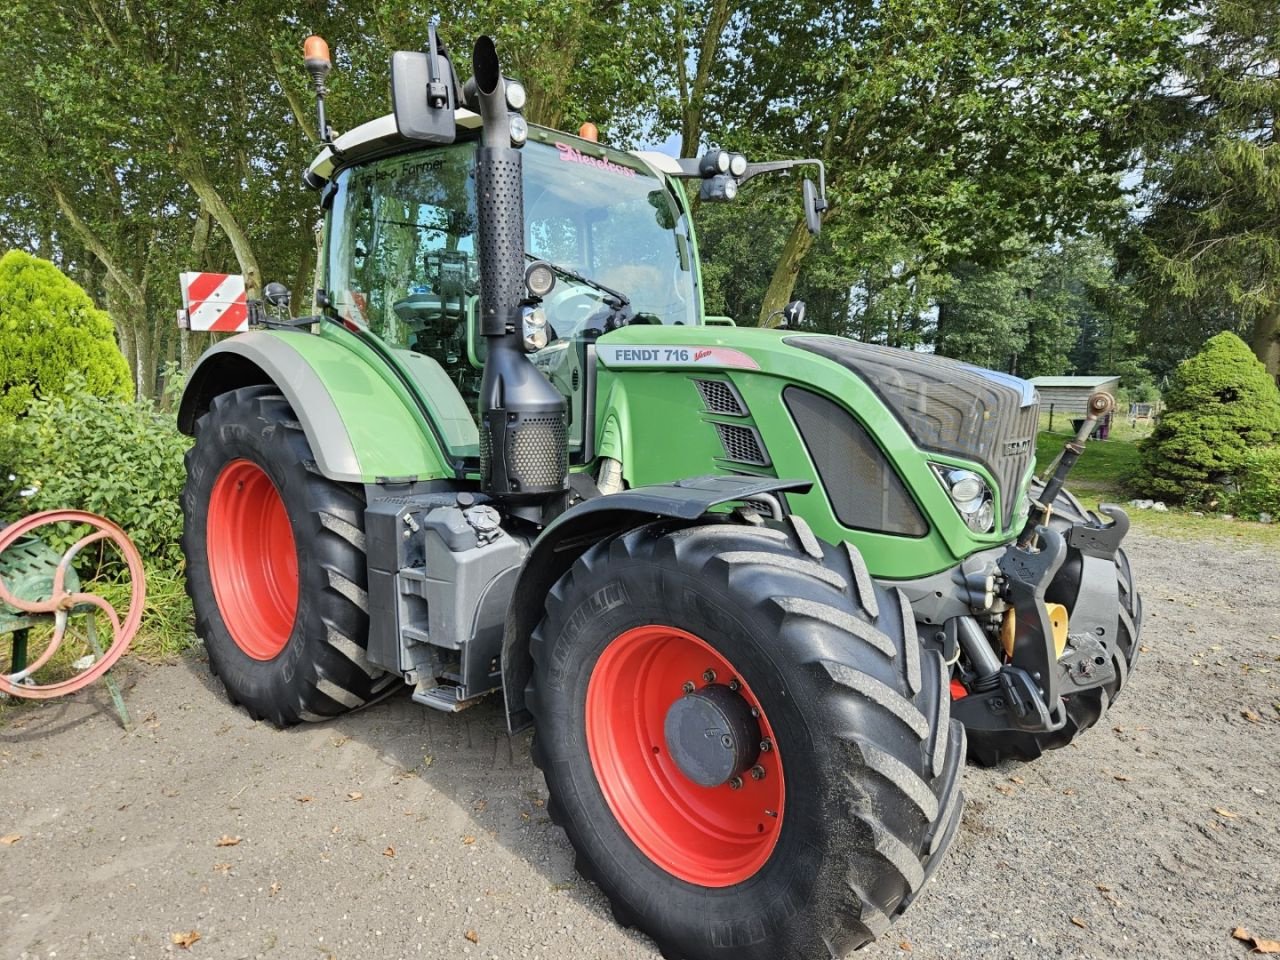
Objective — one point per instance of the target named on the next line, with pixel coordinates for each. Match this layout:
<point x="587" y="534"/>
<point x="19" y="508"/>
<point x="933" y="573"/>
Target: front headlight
<point x="971" y="497"/>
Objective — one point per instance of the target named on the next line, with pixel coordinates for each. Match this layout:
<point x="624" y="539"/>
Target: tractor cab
<point x="401" y="258"/>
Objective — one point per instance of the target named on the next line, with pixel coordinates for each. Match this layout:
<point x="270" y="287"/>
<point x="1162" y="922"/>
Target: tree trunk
<point x="1266" y="341"/>
<point x="784" y="275"/>
<point x="212" y="201"/>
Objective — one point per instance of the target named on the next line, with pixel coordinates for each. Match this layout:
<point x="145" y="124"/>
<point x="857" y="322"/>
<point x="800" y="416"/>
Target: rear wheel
<point x="748" y="747"/>
<point x="1084" y="710"/>
<point x="276" y="565"/>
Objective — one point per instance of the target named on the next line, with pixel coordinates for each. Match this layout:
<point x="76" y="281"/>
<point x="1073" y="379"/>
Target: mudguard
<point x="591" y="521"/>
<point x="363" y="425"/>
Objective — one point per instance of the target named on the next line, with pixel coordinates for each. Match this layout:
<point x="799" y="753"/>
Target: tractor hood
<point x="947" y="406"/>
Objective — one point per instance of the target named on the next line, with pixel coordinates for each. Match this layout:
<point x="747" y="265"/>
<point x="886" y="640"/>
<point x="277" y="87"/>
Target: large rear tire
<point x="853" y="805"/>
<point x="276" y="565"/>
<point x="1084" y="710"/>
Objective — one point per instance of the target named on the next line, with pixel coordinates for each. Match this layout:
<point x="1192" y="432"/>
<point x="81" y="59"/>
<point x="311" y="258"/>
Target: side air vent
<point x="742" y="444"/>
<point x="721" y="397"/>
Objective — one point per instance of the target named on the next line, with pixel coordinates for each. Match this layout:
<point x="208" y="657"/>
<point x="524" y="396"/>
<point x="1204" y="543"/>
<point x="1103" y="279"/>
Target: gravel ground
<point x="399" y="832"/>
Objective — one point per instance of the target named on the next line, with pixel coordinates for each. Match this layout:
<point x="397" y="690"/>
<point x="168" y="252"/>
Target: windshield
<point x="402" y="246"/>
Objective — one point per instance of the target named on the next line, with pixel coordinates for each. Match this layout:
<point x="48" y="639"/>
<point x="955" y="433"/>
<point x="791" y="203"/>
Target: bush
<point x="1221" y="405"/>
<point x="50" y="331"/>
<point x="1257" y="486"/>
<point x="118" y="458"/>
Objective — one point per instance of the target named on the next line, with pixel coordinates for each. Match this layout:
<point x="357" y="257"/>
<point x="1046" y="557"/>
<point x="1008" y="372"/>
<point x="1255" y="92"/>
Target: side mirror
<point x="793" y="312"/>
<point x="277" y="294"/>
<point x="813" y="207"/>
<point x="424" y="93"/>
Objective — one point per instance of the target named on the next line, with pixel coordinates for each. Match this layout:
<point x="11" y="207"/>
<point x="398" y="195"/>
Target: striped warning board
<point x="215" y="301"/>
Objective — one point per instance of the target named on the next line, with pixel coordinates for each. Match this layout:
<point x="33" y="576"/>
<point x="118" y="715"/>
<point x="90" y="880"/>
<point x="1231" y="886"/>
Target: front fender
<point x="601" y="518"/>
<point x="360" y="426"/>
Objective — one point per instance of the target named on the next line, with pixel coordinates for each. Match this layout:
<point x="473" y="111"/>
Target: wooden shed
<point x="1070" y="394"/>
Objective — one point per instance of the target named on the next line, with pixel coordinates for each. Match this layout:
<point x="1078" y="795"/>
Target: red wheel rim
<point x="252" y="559"/>
<point x="710" y="836"/>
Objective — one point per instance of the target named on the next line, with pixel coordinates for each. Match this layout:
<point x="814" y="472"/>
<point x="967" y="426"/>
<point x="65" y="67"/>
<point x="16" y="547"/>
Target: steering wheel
<point x="568" y="308"/>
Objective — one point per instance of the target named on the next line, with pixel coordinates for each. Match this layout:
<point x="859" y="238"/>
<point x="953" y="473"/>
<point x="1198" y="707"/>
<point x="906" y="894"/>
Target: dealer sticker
<point x="641" y="355"/>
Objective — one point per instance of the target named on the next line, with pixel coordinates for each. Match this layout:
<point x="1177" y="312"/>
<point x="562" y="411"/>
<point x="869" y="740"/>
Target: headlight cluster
<point x="971" y="496"/>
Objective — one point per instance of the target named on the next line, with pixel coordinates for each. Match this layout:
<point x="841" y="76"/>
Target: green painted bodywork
<point x="652" y="419"/>
<point x="384" y="418"/>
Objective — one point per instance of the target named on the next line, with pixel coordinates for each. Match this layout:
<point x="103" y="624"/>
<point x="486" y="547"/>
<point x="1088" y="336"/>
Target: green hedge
<point x="1257" y="486"/>
<point x="1221" y="405"/>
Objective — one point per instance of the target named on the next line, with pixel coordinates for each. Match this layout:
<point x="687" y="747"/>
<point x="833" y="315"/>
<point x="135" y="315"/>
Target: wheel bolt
<point x="734" y="685"/>
<point x="757" y="772"/>
<point x="709" y="676"/>
<point x="688" y="686"/>
<point x="727" y="742"/>
<point x="766" y="745"/>
<point x="755" y="711"/>
<point x="735" y="783"/>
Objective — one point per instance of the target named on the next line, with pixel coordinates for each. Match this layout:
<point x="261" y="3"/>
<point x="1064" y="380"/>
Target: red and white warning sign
<point x="215" y="301"/>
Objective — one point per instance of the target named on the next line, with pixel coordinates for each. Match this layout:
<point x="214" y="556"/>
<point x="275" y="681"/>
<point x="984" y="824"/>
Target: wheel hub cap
<point x="711" y="735"/>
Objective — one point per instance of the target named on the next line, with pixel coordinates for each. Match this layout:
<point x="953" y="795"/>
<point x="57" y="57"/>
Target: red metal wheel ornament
<point x="62" y="602"/>
<point x="253" y="561"/>
<point x="710" y="836"/>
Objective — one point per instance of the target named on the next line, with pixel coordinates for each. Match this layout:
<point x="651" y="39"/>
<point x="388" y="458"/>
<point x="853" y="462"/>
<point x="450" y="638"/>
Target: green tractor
<point x="750" y="586"/>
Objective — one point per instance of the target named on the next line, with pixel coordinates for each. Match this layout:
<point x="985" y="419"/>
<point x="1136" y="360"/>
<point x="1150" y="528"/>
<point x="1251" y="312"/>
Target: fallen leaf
<point x="1240" y="933"/>
<point x="905" y="945"/>
<point x="222" y="867"/>
<point x="1122" y="778"/>
<point x="304" y="799"/>
<point x="275" y="888"/>
<point x="1069" y="792"/>
<point x="185" y="940"/>
<point x="1261" y="945"/>
<point x="1250" y="716"/>
<point x="226" y="840"/>
<point x="1080" y="923"/>
<point x="339" y="741"/>
<point x="9" y="839"/>
<point x="468" y="840"/>
<point x="355" y="795"/>
<point x="479" y="805"/>
<point x="1143" y="649"/>
<point x="1017" y="780"/>
<point x="1005" y="789"/>
<point x="1103" y="887"/>
<point x="389" y="852"/>
<point x="1225" y="813"/>
<point x="472" y="936"/>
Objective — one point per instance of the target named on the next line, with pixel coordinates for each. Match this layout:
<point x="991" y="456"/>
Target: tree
<point x="1221" y="405"/>
<point x="1213" y="175"/>
<point x="950" y="126"/>
<point x="50" y="333"/>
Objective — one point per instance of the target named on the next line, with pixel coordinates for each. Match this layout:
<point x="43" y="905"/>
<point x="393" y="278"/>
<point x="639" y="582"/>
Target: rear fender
<point x="588" y="523"/>
<point x="360" y="427"/>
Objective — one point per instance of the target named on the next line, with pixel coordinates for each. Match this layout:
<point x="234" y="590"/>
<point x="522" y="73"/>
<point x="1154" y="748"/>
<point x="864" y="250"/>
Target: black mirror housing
<point x="813" y="207"/>
<point x="277" y="294"/>
<point x="424" y="93"/>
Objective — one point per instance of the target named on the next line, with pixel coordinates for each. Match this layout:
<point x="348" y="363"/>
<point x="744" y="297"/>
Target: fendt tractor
<point x="751" y="587"/>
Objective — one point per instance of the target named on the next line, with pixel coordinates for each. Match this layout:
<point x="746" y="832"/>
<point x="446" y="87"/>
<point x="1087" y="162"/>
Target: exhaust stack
<point x="523" y="429"/>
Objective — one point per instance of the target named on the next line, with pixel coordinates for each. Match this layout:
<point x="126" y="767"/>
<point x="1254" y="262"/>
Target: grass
<point x="1098" y="476"/>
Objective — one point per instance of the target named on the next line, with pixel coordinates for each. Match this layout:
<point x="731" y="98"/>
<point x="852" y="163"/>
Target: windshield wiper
<point x="615" y="298"/>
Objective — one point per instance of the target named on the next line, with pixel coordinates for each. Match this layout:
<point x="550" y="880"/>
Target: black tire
<point x="1084" y="710"/>
<point x="322" y="671"/>
<point x="859" y="710"/>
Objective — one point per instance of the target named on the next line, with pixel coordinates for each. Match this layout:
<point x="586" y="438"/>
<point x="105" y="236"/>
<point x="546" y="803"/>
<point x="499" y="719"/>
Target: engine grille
<point x="536" y="450"/>
<point x="720" y="397"/>
<point x="948" y="407"/>
<point x="742" y="444"/>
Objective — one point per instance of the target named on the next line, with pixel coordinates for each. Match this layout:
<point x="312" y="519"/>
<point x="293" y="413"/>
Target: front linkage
<point x="1045" y="662"/>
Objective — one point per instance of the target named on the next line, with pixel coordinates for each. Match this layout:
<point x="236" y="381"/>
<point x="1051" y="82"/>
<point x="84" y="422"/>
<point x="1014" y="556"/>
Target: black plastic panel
<point x="865" y="491"/>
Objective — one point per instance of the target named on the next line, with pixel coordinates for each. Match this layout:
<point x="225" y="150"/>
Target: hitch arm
<point x="1099" y="405"/>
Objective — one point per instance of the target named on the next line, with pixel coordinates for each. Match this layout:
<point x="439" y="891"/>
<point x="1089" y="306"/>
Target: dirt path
<point x="400" y="832"/>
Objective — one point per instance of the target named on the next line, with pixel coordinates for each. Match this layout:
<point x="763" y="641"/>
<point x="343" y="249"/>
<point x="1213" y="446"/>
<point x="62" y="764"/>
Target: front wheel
<point x="748" y="747"/>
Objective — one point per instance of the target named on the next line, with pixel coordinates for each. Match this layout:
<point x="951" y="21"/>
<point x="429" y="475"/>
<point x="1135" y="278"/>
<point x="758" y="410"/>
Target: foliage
<point x="110" y="456"/>
<point x="50" y="332"/>
<point x="1257" y="485"/>
<point x="1220" y="405"/>
<point x="1213" y="179"/>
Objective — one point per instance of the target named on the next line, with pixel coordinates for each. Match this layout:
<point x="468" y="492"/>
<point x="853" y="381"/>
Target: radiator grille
<point x="742" y="444"/>
<point x="720" y="397"/>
